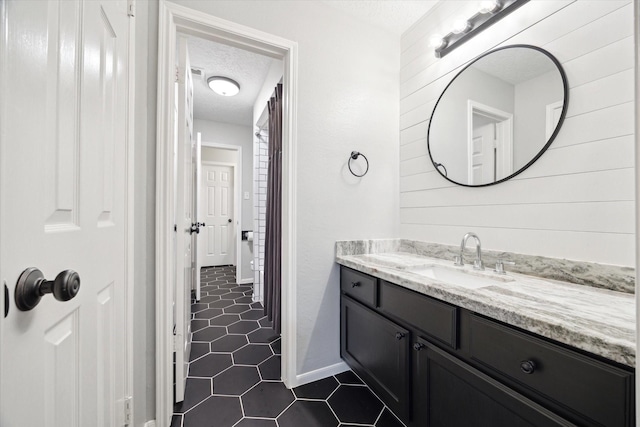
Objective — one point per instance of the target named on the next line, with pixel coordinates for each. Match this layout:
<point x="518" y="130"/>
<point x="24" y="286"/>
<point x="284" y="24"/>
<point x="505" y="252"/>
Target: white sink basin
<point x="459" y="277"/>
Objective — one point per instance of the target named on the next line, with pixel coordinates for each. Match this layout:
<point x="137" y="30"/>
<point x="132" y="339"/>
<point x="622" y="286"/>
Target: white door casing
<point x="195" y="257"/>
<point x="184" y="219"/>
<point x="63" y="185"/>
<point x="217" y="212"/>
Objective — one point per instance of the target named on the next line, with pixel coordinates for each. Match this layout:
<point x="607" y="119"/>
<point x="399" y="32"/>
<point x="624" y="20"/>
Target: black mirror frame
<point x="565" y="86"/>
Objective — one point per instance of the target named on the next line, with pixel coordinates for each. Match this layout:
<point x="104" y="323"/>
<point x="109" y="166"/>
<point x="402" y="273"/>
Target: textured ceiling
<point x="247" y="68"/>
<point x="393" y="15"/>
<point x="515" y="65"/>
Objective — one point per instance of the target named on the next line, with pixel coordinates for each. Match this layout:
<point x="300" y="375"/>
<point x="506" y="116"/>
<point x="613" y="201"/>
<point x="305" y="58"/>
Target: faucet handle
<point x="478" y="264"/>
<point x="457" y="260"/>
<point x="500" y="266"/>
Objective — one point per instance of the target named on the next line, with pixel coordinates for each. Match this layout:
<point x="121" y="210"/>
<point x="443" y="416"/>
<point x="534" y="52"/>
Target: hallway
<point x="234" y="373"/>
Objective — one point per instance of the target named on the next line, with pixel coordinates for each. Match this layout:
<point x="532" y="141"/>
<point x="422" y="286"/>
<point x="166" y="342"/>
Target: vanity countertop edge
<point x="598" y="321"/>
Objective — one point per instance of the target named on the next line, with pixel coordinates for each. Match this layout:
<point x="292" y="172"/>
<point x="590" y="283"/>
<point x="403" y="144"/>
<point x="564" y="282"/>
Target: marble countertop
<point x="599" y="321"/>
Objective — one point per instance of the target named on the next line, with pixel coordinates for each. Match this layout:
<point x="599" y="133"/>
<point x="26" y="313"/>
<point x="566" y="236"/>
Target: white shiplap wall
<point x="577" y="200"/>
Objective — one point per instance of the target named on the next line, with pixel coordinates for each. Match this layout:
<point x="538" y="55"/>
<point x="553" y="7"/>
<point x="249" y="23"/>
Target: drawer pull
<point x="527" y="366"/>
<point x="418" y="346"/>
<point x="399" y="335"/>
<point x="355" y="284"/>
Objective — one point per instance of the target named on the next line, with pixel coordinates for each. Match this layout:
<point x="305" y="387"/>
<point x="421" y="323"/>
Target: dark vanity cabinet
<point x="437" y="365"/>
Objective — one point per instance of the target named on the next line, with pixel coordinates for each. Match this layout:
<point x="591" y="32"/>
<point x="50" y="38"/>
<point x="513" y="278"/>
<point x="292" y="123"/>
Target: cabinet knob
<point x="399" y="335"/>
<point x="355" y="284"/>
<point x="418" y="346"/>
<point x="527" y="366"/>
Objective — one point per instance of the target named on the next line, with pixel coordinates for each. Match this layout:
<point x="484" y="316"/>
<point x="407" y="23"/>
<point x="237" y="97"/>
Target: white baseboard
<point x="318" y="374"/>
<point x="151" y="423"/>
<point x="245" y="281"/>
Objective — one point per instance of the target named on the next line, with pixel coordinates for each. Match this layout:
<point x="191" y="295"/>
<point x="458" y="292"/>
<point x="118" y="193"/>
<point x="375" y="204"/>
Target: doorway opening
<point x="489" y="143"/>
<point x="176" y="20"/>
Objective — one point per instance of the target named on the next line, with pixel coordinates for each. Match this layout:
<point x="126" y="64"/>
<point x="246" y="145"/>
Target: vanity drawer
<point x="359" y="286"/>
<point x="584" y="385"/>
<point x="435" y="318"/>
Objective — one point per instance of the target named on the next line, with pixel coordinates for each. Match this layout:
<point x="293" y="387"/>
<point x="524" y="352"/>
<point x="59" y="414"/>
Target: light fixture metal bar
<point x="478" y="23"/>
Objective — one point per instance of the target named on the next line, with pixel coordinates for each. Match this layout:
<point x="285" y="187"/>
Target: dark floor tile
<point x="254" y="422"/>
<point x="209" y="299"/>
<point x="267" y="399"/>
<point x="270" y="369"/>
<point x="354" y="404"/>
<point x="224" y="320"/>
<point x="209" y="334"/>
<point x="308" y="414"/>
<point x="196" y="391"/>
<point x="216" y="411"/>
<point x="257" y="305"/>
<point x="227" y="286"/>
<point x="232" y="295"/>
<point x="219" y="291"/>
<point x="209" y="365"/>
<point x="255" y="314"/>
<point x="243" y="327"/>
<point x="252" y="354"/>
<point x="198" y="307"/>
<point x="247" y="300"/>
<point x="197" y="324"/>
<point x="208" y="314"/>
<point x="275" y="346"/>
<point x="221" y="303"/>
<point x="387" y="419"/>
<point x="235" y="380"/>
<point x="320" y="389"/>
<point x="198" y="349"/>
<point x="176" y="421"/>
<point x="263" y="335"/>
<point x="228" y="343"/>
<point x="237" y="308"/>
<point x="348" y="377"/>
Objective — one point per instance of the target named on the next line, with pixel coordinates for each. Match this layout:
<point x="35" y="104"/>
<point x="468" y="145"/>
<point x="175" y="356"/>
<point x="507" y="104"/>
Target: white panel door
<point x="218" y="243"/>
<point x="63" y="188"/>
<point x="184" y="219"/>
<point x="483" y="158"/>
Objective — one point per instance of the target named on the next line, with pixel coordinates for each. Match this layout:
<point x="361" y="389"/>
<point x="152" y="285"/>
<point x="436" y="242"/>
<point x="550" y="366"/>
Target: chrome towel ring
<point x="354" y="156"/>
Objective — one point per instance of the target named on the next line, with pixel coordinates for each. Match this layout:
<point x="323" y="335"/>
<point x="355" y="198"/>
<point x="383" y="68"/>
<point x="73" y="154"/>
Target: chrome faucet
<point x="459" y="259"/>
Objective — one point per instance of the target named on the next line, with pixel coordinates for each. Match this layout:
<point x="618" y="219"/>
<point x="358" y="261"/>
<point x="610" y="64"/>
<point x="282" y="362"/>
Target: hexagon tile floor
<point x="234" y="372"/>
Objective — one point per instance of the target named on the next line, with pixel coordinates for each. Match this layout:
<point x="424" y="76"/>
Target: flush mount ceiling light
<point x="223" y="85"/>
<point x="462" y="29"/>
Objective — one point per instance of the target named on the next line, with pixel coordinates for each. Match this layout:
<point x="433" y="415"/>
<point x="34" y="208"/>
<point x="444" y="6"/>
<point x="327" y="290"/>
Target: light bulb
<point x="436" y="41"/>
<point x="489" y="6"/>
<point x="460" y="25"/>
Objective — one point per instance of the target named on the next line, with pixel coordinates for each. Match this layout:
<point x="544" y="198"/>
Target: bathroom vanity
<point x="496" y="350"/>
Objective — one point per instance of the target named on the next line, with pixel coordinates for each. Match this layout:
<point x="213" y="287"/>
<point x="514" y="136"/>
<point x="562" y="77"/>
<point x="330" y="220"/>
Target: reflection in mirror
<point x="497" y="116"/>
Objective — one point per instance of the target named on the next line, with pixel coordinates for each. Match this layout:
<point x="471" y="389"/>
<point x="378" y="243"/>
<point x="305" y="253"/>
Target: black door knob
<point x="32" y="286"/>
<point x="229" y="220"/>
<point x="195" y="228"/>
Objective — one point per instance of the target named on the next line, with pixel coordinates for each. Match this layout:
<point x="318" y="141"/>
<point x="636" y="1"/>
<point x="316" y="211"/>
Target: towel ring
<point x="354" y="156"/>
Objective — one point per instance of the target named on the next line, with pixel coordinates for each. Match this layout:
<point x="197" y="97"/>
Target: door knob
<point x="229" y="220"/>
<point x="32" y="286"/>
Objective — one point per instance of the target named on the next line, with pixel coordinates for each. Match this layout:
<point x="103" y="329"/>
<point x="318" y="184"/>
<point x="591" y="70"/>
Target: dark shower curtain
<point x="273" y="238"/>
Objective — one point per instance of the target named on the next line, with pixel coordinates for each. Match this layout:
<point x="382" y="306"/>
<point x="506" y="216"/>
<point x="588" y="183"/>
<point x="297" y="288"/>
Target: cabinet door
<point x="450" y="393"/>
<point x="378" y="350"/>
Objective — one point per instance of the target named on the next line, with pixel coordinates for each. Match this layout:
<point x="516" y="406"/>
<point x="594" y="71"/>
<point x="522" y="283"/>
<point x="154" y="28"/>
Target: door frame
<point x="506" y="150"/>
<point x="237" y="195"/>
<point x="174" y="18"/>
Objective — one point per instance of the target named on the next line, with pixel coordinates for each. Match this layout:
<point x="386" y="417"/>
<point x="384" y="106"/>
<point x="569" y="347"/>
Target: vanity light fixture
<point x="488" y="14"/>
<point x="223" y="85"/>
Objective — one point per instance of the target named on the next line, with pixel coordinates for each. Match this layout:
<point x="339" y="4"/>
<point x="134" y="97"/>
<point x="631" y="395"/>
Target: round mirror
<point x="498" y="115"/>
